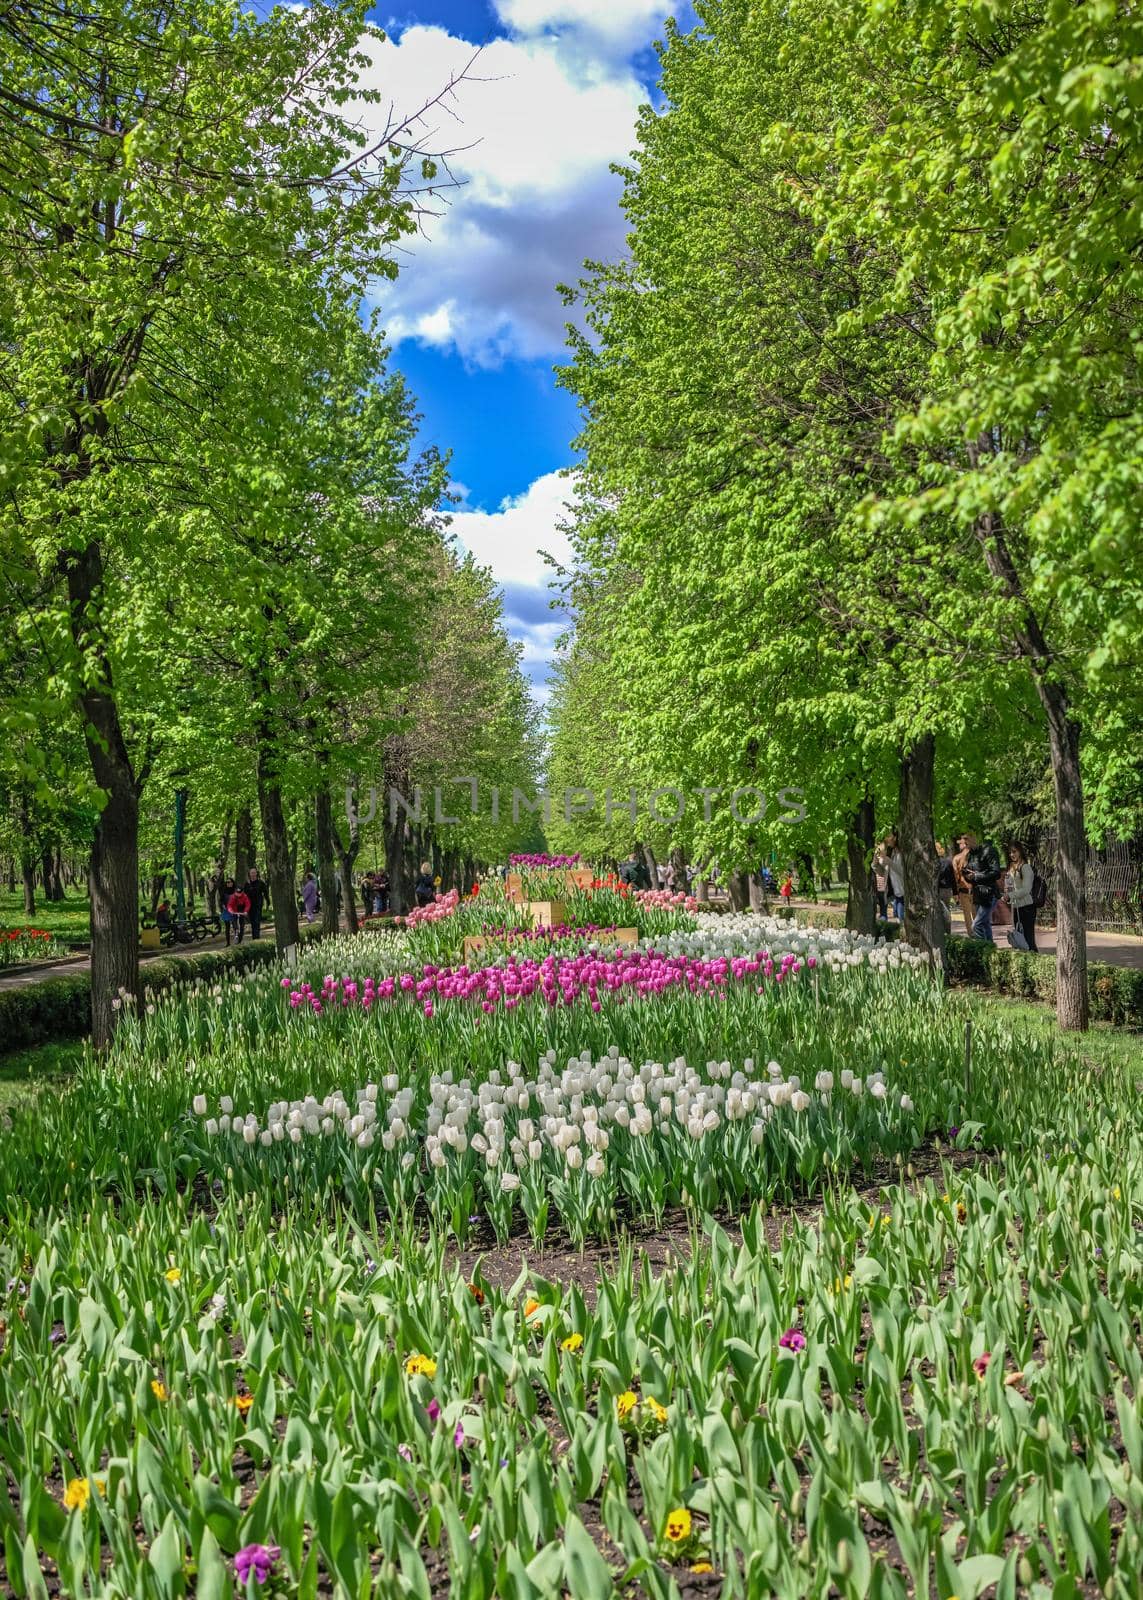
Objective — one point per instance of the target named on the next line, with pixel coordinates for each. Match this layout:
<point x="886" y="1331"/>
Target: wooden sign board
<point x="546" y="913"/>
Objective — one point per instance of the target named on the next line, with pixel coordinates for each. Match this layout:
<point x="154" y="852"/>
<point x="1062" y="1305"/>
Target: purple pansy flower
<point x="258" y="1559"/>
<point x="793" y="1339"/>
<point x="433" y="1409"/>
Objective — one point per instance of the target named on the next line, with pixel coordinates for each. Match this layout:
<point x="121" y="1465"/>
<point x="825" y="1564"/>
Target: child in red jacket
<point x="239" y="907"/>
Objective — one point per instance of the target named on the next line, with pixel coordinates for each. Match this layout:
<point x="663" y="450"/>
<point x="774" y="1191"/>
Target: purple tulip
<point x="433" y="1409"/>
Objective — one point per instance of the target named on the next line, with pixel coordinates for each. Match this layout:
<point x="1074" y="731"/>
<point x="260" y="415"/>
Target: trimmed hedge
<point x="60" y="1008"/>
<point x="1115" y="993"/>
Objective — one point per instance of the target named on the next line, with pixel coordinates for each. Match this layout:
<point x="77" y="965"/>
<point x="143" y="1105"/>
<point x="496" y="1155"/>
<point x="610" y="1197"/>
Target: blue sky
<point x="474" y="317"/>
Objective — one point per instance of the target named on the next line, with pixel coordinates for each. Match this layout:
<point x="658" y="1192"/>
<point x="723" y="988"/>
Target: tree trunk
<point x="278" y="874"/>
<point x="395" y="824"/>
<point x="345" y="860"/>
<point x="738" y="886"/>
<point x="27" y="857"/>
<point x="243" y="845"/>
<point x="1071" y="865"/>
<point x="113" y="878"/>
<point x="346" y="846"/>
<point x="57" y="876"/>
<point x="158" y="884"/>
<point x="449" y="871"/>
<point x="28" y="872"/>
<point x="652" y="865"/>
<point x="216" y="880"/>
<point x="326" y="861"/>
<point x="860" y="910"/>
<point x="757" y="894"/>
<point x="924" y="920"/>
<point x="1063" y="741"/>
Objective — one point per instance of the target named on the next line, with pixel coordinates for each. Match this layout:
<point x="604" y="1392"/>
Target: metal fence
<point x="1114" y="884"/>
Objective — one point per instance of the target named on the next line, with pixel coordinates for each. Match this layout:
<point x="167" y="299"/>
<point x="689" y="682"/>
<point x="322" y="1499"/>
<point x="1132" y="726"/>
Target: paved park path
<point x="1118" y="950"/>
<point x="76" y="966"/>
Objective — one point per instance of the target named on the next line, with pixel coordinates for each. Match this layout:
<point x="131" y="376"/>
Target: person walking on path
<point x="225" y="890"/>
<point x="983" y="871"/>
<point x="946" y="883"/>
<point x="1018" y="884"/>
<point x="381" y="892"/>
<point x="961" y="886"/>
<point x="879" y="873"/>
<point x="309" y="896"/>
<point x="256" y="894"/>
<point x="239" y="907"/>
<point x="424" y="889"/>
<point x="895" y="864"/>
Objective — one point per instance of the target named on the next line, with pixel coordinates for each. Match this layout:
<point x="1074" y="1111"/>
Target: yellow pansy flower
<point x="678" y="1525"/>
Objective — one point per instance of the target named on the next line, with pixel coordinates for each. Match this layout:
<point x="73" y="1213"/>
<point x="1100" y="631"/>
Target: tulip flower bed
<point x="937" y="1392"/>
<point x="270" y="1328"/>
<point x="18" y="945"/>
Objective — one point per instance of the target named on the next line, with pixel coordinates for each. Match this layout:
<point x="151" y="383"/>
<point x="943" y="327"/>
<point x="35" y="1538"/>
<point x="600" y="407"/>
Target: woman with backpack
<point x="225" y="890"/>
<point x="1019" y="891"/>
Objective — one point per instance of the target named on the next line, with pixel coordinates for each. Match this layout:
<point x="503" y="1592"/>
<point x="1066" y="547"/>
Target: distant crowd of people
<point x="987" y="892"/>
<point x="240" y="906"/>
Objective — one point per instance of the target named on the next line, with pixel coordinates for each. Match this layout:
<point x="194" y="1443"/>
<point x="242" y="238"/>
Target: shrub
<point x="60" y="1008"/>
<point x="1115" y="993"/>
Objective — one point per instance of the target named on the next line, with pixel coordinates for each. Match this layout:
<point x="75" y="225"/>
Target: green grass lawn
<point x="69" y="919"/>
<point x="1104" y="1045"/>
<point x="27" y="1073"/>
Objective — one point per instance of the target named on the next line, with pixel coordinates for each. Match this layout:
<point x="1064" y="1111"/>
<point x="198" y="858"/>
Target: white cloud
<point x="535" y="126"/>
<point x="621" y="24"/>
<point x="510" y="539"/>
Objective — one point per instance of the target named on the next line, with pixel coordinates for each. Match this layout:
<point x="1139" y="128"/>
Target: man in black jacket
<point x="256" y="889"/>
<point x="983" y="872"/>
